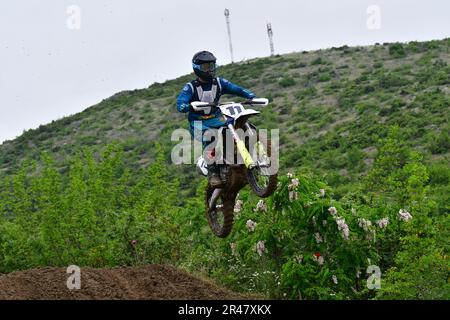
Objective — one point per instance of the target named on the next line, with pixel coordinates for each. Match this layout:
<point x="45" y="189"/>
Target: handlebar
<point x="206" y="107"/>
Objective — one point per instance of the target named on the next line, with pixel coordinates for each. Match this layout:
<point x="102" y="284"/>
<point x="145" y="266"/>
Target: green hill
<point x="332" y="106"/>
<point x="365" y="130"/>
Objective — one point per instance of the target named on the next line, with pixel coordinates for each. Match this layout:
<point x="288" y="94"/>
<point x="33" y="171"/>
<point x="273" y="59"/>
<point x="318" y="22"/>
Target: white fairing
<point x="236" y="110"/>
<point x="202" y="167"/>
<point x="249" y="112"/>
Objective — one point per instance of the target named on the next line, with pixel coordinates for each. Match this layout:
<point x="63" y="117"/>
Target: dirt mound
<point x="147" y="282"/>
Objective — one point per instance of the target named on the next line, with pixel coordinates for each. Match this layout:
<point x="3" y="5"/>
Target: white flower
<point x="335" y="280"/>
<point x="233" y="247"/>
<point x="294" y="184"/>
<point x="293" y="195"/>
<point x="318" y="237"/>
<point x="320" y="260"/>
<point x="321" y="193"/>
<point x="404" y="215"/>
<point x="332" y="211"/>
<point x="365" y="224"/>
<point x="261" y="248"/>
<point x="251" y="225"/>
<point x="383" y="223"/>
<point x="358" y="274"/>
<point x="345" y="232"/>
<point x="290" y="175"/>
<point x="261" y="206"/>
<point x="342" y="226"/>
<point x="238" y="206"/>
<point x="299" y="258"/>
<point x="353" y="210"/>
<point x="340" y="223"/>
<point x="308" y="204"/>
<point x="324" y="222"/>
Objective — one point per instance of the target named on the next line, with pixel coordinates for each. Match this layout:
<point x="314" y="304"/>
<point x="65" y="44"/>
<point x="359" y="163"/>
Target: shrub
<point x="287" y="82"/>
<point x="317" y="264"/>
<point x="378" y="65"/>
<point x="306" y="93"/>
<point x="441" y="143"/>
<point x="439" y="173"/>
<point x="396" y="50"/>
<point x="391" y="80"/>
<point x="365" y="106"/>
<point x="325" y="76"/>
<point x="318" y="61"/>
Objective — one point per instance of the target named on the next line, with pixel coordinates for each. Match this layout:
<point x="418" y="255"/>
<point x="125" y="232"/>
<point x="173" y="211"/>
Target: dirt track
<point x="149" y="282"/>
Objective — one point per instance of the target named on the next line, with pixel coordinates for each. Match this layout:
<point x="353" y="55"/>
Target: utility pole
<point x="270" y="33"/>
<point x="227" y="17"/>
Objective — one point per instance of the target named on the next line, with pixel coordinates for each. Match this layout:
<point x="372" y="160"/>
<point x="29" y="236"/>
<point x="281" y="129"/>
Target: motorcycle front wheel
<point x="259" y="178"/>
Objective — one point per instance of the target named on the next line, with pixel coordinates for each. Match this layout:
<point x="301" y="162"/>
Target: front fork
<point x="248" y="161"/>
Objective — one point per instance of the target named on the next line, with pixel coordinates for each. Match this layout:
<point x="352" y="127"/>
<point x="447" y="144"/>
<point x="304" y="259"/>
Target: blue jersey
<point x="189" y="94"/>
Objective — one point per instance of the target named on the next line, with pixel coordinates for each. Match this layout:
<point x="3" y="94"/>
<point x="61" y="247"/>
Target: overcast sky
<point x="50" y="68"/>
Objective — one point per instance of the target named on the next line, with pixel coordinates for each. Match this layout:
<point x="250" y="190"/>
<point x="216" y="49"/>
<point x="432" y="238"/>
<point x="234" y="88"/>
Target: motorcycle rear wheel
<point x="220" y="212"/>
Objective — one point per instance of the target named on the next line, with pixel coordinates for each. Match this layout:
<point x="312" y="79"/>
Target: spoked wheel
<point x="260" y="179"/>
<point x="220" y="211"/>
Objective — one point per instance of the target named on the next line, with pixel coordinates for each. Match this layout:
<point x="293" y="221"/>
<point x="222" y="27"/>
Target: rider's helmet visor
<point x="208" y="66"/>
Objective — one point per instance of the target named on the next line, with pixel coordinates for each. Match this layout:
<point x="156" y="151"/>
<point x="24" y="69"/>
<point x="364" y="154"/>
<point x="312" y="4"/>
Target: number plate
<point x="232" y="110"/>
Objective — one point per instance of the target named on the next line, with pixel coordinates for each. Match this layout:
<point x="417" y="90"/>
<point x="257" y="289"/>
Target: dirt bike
<point x="255" y="170"/>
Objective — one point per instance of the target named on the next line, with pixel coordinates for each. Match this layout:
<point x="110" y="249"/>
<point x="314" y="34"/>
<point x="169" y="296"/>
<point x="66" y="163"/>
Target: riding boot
<point x="214" y="175"/>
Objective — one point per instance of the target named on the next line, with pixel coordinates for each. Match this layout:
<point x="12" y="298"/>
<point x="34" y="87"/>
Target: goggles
<point x="206" y="67"/>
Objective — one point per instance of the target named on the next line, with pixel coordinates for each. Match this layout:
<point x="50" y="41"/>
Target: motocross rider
<point x="207" y="88"/>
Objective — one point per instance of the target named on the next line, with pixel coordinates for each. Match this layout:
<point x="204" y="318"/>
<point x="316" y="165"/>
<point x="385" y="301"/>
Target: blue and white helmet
<point x="204" y="64"/>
